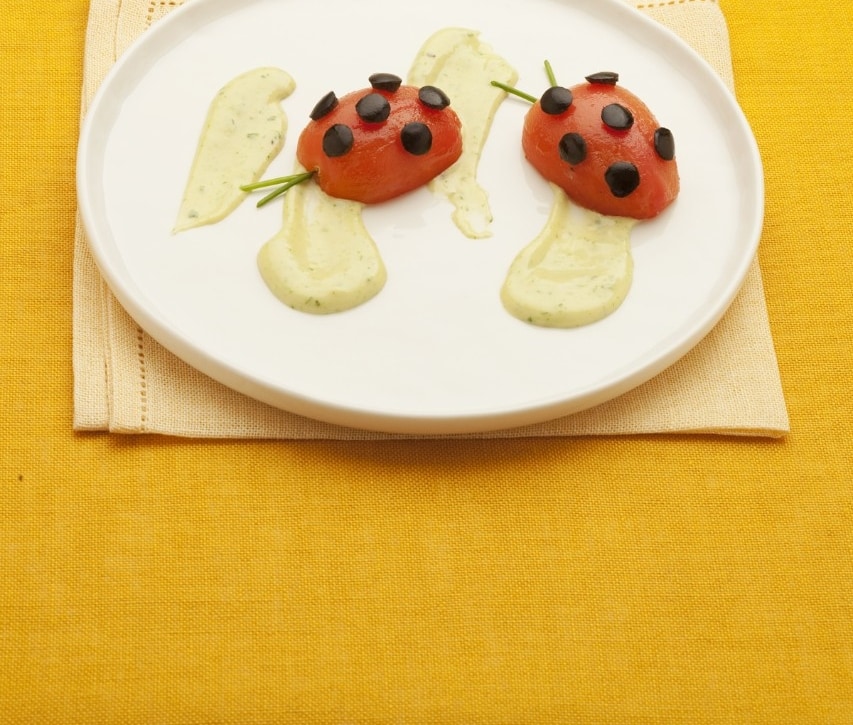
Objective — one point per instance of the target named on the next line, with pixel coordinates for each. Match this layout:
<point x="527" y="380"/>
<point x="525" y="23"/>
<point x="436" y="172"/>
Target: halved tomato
<point x="380" y="142"/>
<point x="603" y="146"/>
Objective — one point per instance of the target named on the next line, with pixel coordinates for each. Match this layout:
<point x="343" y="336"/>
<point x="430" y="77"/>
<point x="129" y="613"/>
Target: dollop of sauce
<point x="576" y="271"/>
<point x="458" y="62"/>
<point x="323" y="259"/>
<point x="244" y="130"/>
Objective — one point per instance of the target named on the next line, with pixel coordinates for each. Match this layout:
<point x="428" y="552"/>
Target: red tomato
<point x="380" y="142"/>
<point x="603" y="147"/>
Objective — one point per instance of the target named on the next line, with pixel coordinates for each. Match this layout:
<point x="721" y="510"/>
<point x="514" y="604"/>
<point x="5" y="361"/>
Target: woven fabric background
<point x="635" y="579"/>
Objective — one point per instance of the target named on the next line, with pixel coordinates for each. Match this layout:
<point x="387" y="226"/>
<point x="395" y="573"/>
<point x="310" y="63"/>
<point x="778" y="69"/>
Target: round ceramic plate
<point x="434" y="352"/>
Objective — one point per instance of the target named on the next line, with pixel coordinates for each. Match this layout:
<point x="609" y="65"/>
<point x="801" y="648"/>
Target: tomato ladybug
<point x="603" y="146"/>
<point x="380" y="142"/>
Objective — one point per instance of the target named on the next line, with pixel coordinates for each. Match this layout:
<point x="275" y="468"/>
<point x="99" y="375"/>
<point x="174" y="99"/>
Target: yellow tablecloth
<point x="658" y="579"/>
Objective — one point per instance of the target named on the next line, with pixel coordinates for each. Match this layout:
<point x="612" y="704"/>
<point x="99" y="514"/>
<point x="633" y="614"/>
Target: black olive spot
<point x="622" y="177"/>
<point x="665" y="144"/>
<point x="607" y="78"/>
<point x="617" y="117"/>
<point x="373" y="108"/>
<point x="324" y="106"/>
<point x="416" y="138"/>
<point x="433" y="97"/>
<point x="385" y="82"/>
<point x="337" y="140"/>
<point x="572" y="148"/>
<point x="555" y="100"/>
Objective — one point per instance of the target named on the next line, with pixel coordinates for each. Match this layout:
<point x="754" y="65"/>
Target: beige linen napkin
<point x="126" y="382"/>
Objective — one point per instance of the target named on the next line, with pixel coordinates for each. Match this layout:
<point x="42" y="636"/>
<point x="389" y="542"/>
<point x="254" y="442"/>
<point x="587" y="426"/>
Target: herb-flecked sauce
<point x="576" y="271"/>
<point x="244" y="130"/>
<point x="458" y="62"/>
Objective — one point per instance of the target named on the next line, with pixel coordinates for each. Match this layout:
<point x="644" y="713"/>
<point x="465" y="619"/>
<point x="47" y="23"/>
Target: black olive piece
<point x="607" y="78"/>
<point x="373" y="108"/>
<point x="324" y="106"/>
<point x="665" y="144"/>
<point x="433" y="97"/>
<point x="572" y="148"/>
<point x="337" y="140"/>
<point x="555" y="100"/>
<point x="622" y="177"/>
<point x="385" y="82"/>
<point x="416" y="138"/>
<point x="617" y="117"/>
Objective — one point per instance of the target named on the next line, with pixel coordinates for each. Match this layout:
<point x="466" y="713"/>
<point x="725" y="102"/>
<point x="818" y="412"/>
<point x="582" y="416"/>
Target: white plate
<point x="434" y="352"/>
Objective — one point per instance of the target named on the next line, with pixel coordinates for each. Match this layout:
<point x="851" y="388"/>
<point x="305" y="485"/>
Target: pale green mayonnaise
<point x="322" y="260"/>
<point x="455" y="60"/>
<point x="244" y="130"/>
<point x="576" y="271"/>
